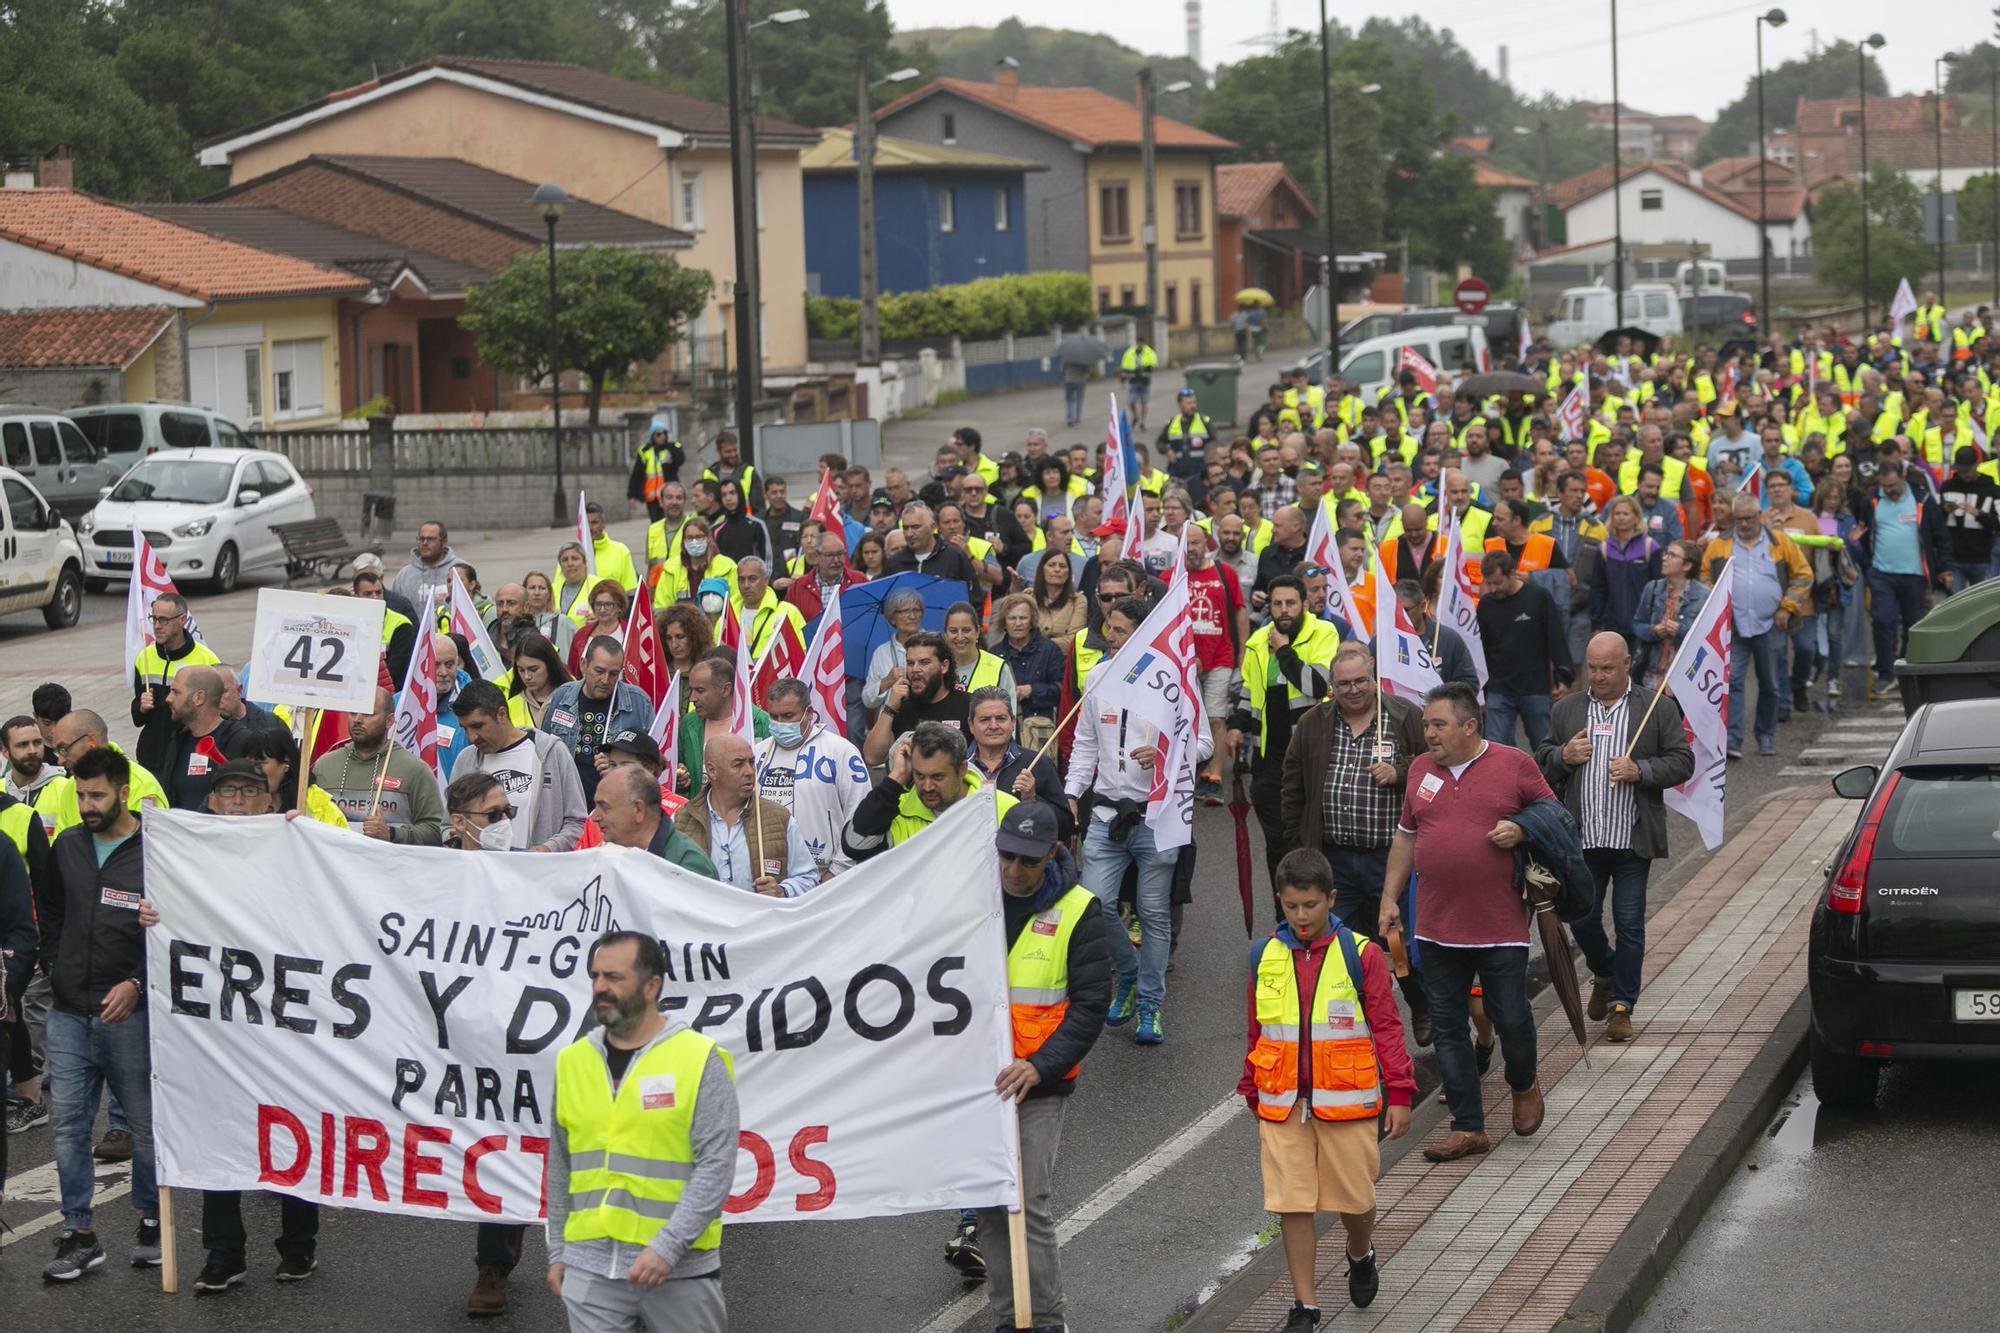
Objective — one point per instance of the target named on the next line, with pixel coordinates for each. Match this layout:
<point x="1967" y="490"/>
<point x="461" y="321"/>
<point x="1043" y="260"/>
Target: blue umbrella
<point x="864" y="628"/>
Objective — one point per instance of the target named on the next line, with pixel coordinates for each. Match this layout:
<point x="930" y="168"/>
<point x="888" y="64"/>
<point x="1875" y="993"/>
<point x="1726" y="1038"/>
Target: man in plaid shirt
<point x="1273" y="489"/>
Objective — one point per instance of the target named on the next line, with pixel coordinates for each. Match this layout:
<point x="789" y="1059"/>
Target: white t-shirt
<point x="519" y="772"/>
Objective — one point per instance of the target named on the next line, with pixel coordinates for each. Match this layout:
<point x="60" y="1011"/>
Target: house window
<point x="1125" y="296"/>
<point x="691" y="200"/>
<point x="253" y="382"/>
<point x="948" y="209"/>
<point x="1194" y="300"/>
<point x="1114" y="212"/>
<point x="950" y="134"/>
<point x="1003" y="209"/>
<point x="1173" y="303"/>
<point x="1652" y="201"/>
<point x="1187" y="210"/>
<point x="296" y="381"/>
<point x="1103" y="299"/>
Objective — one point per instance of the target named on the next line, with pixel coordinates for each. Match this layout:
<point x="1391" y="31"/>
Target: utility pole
<point x="1861" y="57"/>
<point x="1617" y="194"/>
<point x="1330" y="268"/>
<point x="743" y="200"/>
<point x="864" y="184"/>
<point x="1151" y="233"/>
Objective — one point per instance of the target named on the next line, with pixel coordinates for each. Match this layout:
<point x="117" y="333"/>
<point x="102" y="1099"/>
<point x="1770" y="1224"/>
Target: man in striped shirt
<point x="1610" y="753"/>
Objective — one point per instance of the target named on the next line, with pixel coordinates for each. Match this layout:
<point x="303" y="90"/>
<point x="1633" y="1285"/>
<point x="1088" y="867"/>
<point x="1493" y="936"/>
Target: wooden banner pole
<point x="1632" y="742"/>
<point x="1017" y="1237"/>
<point x="170" y="1278"/>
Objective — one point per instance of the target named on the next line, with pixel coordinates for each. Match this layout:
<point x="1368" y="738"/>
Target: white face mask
<point x="497" y="836"/>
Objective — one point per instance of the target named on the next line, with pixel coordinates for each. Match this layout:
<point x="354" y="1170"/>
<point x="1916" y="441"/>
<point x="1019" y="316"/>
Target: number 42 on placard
<point x="300" y="658"/>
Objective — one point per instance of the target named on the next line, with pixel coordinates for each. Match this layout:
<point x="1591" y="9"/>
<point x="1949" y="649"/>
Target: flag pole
<point x="1632" y="742"/>
<point x="301" y="779"/>
<point x="1017" y="1237"/>
<point x="170" y="1278"/>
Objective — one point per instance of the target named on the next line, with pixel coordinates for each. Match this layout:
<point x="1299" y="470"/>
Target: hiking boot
<point x="1459" y="1143"/>
<point x="146" y="1245"/>
<point x="1151" y="1032"/>
<point x="77" y="1253"/>
<point x="1363" y="1281"/>
<point x="115" y="1146"/>
<point x="1302" y="1317"/>
<point x="220" y="1273"/>
<point x="1767" y="746"/>
<point x="1123" y="1001"/>
<point x="963" y="1253"/>
<point x="23" y="1116"/>
<point x="1528" y="1111"/>
<point x="296" y="1268"/>
<point x="489" y="1294"/>
<point x="1619" y="1027"/>
<point x="1600" y="1000"/>
<point x="1421" y="1031"/>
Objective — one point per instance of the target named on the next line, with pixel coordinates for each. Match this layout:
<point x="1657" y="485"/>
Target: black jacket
<point x="1048" y="784"/>
<point x="1549" y="835"/>
<point x="1089" y="978"/>
<point x="191" y="793"/>
<point x="1971" y="535"/>
<point x="18" y="943"/>
<point x="1525" y="642"/>
<point x="1660" y="749"/>
<point x="945" y="561"/>
<point x="157" y="727"/>
<point x="90" y="919"/>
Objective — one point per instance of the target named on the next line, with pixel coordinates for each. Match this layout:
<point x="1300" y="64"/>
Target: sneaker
<point x="1619" y="1026"/>
<point x="1600" y="1000"/>
<point x="1123" y="1001"/>
<point x="963" y="1253"/>
<point x="1767" y="746"/>
<point x="1150" y="1032"/>
<point x="296" y="1268"/>
<point x="77" y="1253"/>
<point x="1363" y="1281"/>
<point x="1208" y="790"/>
<point x="146" y="1245"/>
<point x="1833" y="688"/>
<point x="23" y="1116"/>
<point x="1132" y="929"/>
<point x="115" y="1146"/>
<point x="1302" y="1317"/>
<point x="489" y="1294"/>
<point x="1735" y="752"/>
<point x="221" y="1272"/>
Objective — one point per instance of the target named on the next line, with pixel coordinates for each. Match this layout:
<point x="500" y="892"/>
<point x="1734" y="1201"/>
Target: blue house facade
<point x="942" y="215"/>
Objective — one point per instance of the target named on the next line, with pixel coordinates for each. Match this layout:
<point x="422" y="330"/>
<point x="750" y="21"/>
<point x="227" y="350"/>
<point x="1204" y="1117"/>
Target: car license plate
<point x="1976" y="1006"/>
<point x="108" y="557"/>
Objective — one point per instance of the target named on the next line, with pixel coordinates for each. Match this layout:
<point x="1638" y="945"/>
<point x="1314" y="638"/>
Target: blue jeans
<point x="1762" y="651"/>
<point x="1503" y="709"/>
<point x="1073" y="401"/>
<point x="1104" y="862"/>
<point x="86" y="1055"/>
<point x="1502" y="972"/>
<point x="498" y="1245"/>
<point x="1621" y="877"/>
<point x="1964" y="575"/>
<point x="1796" y="667"/>
<point x="1895" y="602"/>
<point x="1357" y="904"/>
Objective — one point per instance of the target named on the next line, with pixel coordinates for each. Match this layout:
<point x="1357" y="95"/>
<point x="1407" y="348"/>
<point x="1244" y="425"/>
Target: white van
<point x="41" y="567"/>
<point x="1583" y="314"/>
<point x="1369" y="366"/>
<point x="1696" y="277"/>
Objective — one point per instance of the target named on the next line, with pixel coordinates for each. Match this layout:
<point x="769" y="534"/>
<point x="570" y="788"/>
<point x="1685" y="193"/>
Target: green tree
<point x="617" y="308"/>
<point x="1895" y="246"/>
<point x="1978" y="203"/>
<point x="1832" y="72"/>
<point x="1056" y="58"/>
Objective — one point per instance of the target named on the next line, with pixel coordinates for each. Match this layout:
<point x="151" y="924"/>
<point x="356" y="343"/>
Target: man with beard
<point x="532" y="767"/>
<point x="202" y="740"/>
<point x="172" y="650"/>
<point x="408" y="809"/>
<point x="28" y="766"/>
<point x="928" y="691"/>
<point x="645" y="1124"/>
<point x="927" y="775"/>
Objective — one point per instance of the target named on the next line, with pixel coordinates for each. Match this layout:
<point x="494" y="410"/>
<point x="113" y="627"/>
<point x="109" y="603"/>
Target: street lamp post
<point x="1541" y="218"/>
<point x="1617" y="193"/>
<point x="1330" y="283"/>
<point x="1876" y="41"/>
<point x="1776" y="19"/>
<point x="1937" y="126"/>
<point x="550" y="200"/>
<point x="1150" y="226"/>
<point x="864" y="186"/>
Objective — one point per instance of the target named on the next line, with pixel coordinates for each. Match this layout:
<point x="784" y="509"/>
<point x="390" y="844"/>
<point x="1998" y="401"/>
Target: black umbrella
<point x="1239" y="810"/>
<point x="1539" y="887"/>
<point x="1501" y="382"/>
<point x="1080" y="349"/>
<point x="1644" y="343"/>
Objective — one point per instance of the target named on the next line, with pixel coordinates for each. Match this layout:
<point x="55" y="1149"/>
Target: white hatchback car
<point x="41" y="568"/>
<point x="208" y="514"/>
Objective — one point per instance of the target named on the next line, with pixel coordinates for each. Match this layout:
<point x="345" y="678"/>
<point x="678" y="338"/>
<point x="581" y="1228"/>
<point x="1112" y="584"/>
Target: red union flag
<point x="1403" y="660"/>
<point x="1410" y="359"/>
<point x="729" y="629"/>
<point x="741" y="719"/>
<point x="1573" y="417"/>
<point x="1112" y="483"/>
<point x="645" y="664"/>
<point x="1699" y="679"/>
<point x="415" y="726"/>
<point x="782" y="657"/>
<point x="666" y="728"/>
<point x="826" y="509"/>
<point x="824" y="669"/>
<point x="1458" y="599"/>
<point x="149" y="581"/>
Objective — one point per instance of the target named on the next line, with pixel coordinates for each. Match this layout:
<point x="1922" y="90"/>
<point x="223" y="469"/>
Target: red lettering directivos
<point x="358" y="1151"/>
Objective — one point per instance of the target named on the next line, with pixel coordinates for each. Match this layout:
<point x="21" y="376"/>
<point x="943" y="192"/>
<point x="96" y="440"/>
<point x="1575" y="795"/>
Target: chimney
<point x="1007" y="77"/>
<point x="19" y="172"/>
<point x="58" y="170"/>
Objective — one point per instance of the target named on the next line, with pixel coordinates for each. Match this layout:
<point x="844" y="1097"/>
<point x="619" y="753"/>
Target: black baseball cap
<point x="1028" y="829"/>
<point x="239" y="770"/>
<point x="635" y="743"/>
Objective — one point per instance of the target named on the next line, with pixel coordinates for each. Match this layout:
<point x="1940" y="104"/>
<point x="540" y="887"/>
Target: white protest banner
<point x="313" y="651"/>
<point x="1458" y="601"/>
<point x="150" y="581"/>
<point x="584" y="537"/>
<point x="465" y="621"/>
<point x="1901" y="306"/>
<point x="1699" y="679"/>
<point x="1403" y="662"/>
<point x="376" y="1026"/>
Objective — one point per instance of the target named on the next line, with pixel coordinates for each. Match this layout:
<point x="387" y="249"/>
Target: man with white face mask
<point x="811" y="770"/>
<point x="540" y="781"/>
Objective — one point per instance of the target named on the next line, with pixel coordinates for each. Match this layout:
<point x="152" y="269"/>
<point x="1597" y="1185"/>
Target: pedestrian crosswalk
<point x="39" y="1193"/>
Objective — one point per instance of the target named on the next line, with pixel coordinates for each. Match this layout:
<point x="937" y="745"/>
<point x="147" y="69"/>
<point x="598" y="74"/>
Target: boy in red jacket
<point x="1325" y="1064"/>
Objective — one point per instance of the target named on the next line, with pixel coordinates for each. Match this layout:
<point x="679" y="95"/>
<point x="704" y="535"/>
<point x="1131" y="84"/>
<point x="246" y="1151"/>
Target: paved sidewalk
<point x="1507" y="1241"/>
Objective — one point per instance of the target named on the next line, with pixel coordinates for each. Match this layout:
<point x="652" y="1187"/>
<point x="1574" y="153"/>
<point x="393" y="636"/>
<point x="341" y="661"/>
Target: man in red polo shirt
<point x="1221" y="623"/>
<point x="1456" y="829"/>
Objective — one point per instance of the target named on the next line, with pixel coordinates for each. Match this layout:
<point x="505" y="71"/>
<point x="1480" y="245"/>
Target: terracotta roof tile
<point x="1086" y="115"/>
<point x="1494" y="176"/>
<point x="1839" y="155"/>
<point x="269" y="227"/>
<point x="80" y="339"/>
<point x="1241" y="186"/>
<point x="121" y="240"/>
<point x="1886" y="115"/>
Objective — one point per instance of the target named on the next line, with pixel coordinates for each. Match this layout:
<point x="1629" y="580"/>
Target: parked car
<point x="46" y="447"/>
<point x="41" y="566"/>
<point x="1371" y="366"/>
<point x="1503" y="323"/>
<point x="128" y="432"/>
<point x="1720" y="315"/>
<point x="1692" y="278"/>
<point x="208" y="514"/>
<point x="1903" y="961"/>
<point x="1584" y="314"/>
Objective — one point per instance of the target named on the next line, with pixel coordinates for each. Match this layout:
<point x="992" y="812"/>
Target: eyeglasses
<point x="1361" y="684"/>
<point x="488" y="816"/>
<point x="62" y="750"/>
<point x="168" y="620"/>
<point x="1022" y="858"/>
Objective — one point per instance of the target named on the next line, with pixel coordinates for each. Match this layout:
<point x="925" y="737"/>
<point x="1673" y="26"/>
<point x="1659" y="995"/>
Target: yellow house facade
<point x="1184" y="209"/>
<point x="659" y="156"/>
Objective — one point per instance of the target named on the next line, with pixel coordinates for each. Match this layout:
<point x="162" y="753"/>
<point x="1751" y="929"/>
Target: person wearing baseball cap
<point x="1059" y="984"/>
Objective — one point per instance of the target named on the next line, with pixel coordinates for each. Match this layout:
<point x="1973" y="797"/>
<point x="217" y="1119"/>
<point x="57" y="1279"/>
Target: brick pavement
<point x="1506" y="1241"/>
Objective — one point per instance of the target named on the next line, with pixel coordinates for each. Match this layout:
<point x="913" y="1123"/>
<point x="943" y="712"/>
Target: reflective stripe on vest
<point x="1038" y="973"/>
<point x="1346" y="1083"/>
<point x="631" y="1154"/>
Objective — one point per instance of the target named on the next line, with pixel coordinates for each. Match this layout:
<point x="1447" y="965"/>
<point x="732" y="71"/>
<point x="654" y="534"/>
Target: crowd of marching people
<point x="791" y="675"/>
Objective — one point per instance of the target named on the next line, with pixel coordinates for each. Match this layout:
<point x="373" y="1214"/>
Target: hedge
<point x="1024" y="303"/>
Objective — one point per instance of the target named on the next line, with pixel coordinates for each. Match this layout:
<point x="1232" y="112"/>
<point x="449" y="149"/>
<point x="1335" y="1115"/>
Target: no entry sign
<point x="1471" y="295"/>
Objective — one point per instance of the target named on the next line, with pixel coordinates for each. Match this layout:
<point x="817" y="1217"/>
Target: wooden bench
<point x="316" y="546"/>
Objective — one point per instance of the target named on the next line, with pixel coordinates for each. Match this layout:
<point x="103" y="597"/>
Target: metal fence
<point x="467" y="453"/>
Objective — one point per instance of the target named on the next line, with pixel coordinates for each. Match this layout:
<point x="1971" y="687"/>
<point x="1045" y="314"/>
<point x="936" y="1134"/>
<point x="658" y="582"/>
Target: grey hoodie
<point x="555" y="819"/>
<point x="49" y="773"/>
<point x="415" y="581"/>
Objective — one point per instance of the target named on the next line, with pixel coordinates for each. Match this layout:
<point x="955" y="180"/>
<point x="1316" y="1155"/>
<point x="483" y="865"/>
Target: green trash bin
<point x="1214" y="392"/>
<point x="1954" y="652"/>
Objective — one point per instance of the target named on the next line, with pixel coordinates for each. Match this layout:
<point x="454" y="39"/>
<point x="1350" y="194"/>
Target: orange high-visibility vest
<point x="1345" y="1082"/>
